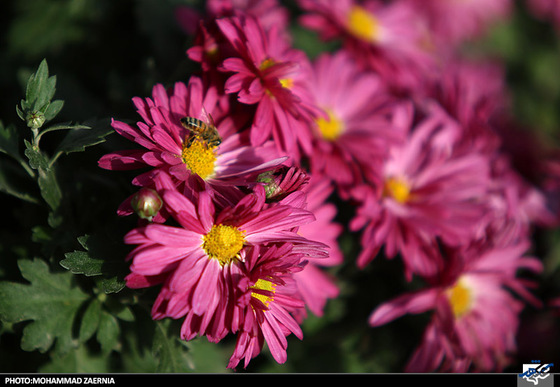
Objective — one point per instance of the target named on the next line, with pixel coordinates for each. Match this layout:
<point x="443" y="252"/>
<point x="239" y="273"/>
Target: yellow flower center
<point x="223" y="243"/>
<point x="362" y="24"/>
<point x="262" y="284"/>
<point x="460" y="298"/>
<point x="199" y="158"/>
<point x="398" y="189"/>
<point x="267" y="63"/>
<point x="330" y="128"/>
<point x="285" y="82"/>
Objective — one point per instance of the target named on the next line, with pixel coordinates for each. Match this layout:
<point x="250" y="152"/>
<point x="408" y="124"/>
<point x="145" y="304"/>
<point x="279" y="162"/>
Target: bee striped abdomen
<point x="203" y="132"/>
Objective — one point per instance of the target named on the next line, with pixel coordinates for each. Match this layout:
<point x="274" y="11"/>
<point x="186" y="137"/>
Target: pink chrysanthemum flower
<point x="268" y="73"/>
<point x="269" y="13"/>
<point x="358" y="126"/>
<point x="192" y="163"/>
<point x="476" y="304"/>
<point x="453" y="22"/>
<point x="472" y="92"/>
<point x="199" y="260"/>
<point x="431" y="193"/>
<point x="386" y="37"/>
<point x="269" y="297"/>
<point x="315" y="285"/>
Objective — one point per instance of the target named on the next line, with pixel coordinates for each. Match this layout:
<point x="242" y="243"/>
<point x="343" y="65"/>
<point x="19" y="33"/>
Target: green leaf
<point x="77" y="140"/>
<point x="36" y="83"/>
<point x="9" y="141"/>
<point x="90" y="320"/>
<point x="81" y="360"/>
<point x="108" y="332"/>
<point x="50" y="300"/>
<point x="65" y="126"/>
<point x="101" y="258"/>
<point x="36" y="158"/>
<point x="49" y="188"/>
<point x="14" y="182"/>
<point x="167" y="347"/>
<point x="53" y="109"/>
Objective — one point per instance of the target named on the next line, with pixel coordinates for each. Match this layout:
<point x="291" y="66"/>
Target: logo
<point x="536" y="373"/>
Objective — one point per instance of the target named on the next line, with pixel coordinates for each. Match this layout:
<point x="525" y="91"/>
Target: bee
<point x="202" y="130"/>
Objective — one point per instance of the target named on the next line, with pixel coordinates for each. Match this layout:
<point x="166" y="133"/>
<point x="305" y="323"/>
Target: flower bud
<point x="281" y="182"/>
<point x="146" y="203"/>
<point x="35" y="119"/>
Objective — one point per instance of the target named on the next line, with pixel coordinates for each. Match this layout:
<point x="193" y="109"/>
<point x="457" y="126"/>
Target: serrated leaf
<point x="64" y="126"/>
<point x="40" y="89"/>
<point x="37" y="82"/>
<point x="50" y="301"/>
<point x="36" y="158"/>
<point x="78" y="140"/>
<point x="97" y="261"/>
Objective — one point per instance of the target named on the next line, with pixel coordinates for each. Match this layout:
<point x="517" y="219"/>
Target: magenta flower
<point x="268" y="73"/>
<point x="475" y="314"/>
<point x="269" y="13"/>
<point x="270" y="296"/>
<point x="453" y="22"/>
<point x="200" y="261"/>
<point x="314" y="284"/>
<point x="166" y="145"/>
<point x="431" y="193"/>
<point x="359" y="124"/>
<point x="386" y="37"/>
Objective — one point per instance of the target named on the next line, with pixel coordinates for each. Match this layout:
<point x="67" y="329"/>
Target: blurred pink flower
<point x="431" y="193"/>
<point x="475" y="314"/>
<point x="315" y="285"/>
<point x="358" y="125"/>
<point x="268" y="73"/>
<point x="386" y="37"/>
<point x="230" y="164"/>
<point x="269" y="13"/>
<point x="453" y="22"/>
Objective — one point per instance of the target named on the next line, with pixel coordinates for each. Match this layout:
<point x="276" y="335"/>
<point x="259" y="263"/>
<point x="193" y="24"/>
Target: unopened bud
<point x="35" y="119"/>
<point x="282" y="181"/>
<point x="146" y="203"/>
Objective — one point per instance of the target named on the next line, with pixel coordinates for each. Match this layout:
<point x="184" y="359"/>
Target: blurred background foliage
<point x="103" y="53"/>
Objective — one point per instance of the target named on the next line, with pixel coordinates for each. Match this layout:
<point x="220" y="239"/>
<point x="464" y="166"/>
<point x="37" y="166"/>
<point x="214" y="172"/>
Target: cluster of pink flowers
<point x="395" y="122"/>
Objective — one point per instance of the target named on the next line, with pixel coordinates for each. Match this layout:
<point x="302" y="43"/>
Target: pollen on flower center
<point x="330" y="128"/>
<point x="262" y="284"/>
<point x="362" y="24"/>
<point x="460" y="298"/>
<point x="287" y="82"/>
<point x="223" y="243"/>
<point x="269" y="62"/>
<point x="199" y="158"/>
<point x="398" y="189"/>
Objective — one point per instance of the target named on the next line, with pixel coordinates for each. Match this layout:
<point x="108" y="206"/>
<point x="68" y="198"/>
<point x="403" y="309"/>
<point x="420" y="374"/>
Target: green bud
<point x="35" y="119"/>
<point x="146" y="203"/>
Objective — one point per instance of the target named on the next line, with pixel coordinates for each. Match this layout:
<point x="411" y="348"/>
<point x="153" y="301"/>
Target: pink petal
<point x="414" y="303"/>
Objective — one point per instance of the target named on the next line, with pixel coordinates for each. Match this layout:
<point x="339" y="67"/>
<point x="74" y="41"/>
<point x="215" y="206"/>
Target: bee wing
<point x="206" y="117"/>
